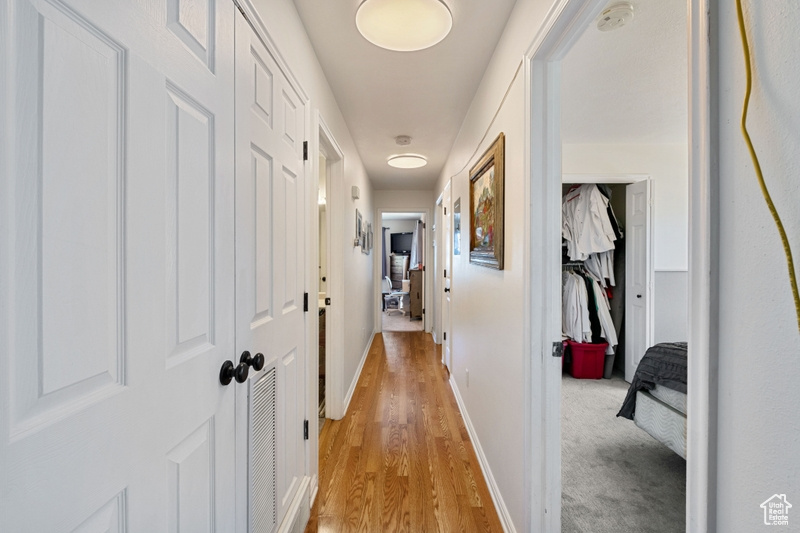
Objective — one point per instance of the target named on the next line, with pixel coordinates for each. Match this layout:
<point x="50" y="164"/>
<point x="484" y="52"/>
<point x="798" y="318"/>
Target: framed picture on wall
<point x="486" y="197"/>
<point x="365" y="238"/>
<point x="359" y="229"/>
<point x="457" y="227"/>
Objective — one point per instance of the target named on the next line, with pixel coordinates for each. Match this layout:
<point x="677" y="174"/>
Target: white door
<point x="637" y="274"/>
<point x="116" y="277"/>
<point x="436" y="329"/>
<point x="447" y="254"/>
<point x="270" y="266"/>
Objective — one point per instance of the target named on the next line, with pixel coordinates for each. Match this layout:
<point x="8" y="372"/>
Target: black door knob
<point x="446" y="289"/>
<point x="228" y="372"/>
<point x="638" y="295"/>
<point x="241" y="372"/>
<point x="256" y="361"/>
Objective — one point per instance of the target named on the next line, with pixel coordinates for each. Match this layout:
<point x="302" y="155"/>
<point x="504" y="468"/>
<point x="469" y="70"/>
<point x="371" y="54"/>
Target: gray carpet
<point x="615" y="477"/>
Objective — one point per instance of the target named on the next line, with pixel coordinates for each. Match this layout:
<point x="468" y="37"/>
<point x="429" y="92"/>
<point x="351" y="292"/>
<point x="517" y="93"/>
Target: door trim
<point x="324" y="142"/>
<point x="563" y="25"/>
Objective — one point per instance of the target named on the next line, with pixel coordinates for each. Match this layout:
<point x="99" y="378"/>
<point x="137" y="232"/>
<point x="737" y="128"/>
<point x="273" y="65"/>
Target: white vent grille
<point x="263" y="471"/>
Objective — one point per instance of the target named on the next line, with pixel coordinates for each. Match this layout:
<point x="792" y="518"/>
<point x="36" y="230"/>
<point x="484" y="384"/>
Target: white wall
<point x="759" y="344"/>
<point x="667" y="165"/>
<point x="284" y="26"/>
<point x="487" y="319"/>
<point x="399" y="226"/>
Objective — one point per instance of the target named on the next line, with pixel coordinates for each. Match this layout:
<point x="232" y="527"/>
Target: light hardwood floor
<point x="401" y="460"/>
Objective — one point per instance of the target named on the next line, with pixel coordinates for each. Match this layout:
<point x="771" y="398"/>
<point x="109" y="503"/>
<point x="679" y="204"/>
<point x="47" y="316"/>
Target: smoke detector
<point x="615" y="16"/>
<point x="403" y="140"/>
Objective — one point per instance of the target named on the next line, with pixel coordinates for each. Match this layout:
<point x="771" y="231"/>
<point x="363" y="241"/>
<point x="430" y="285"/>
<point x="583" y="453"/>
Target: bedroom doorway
<point x="583" y="131"/>
<point x="402" y="256"/>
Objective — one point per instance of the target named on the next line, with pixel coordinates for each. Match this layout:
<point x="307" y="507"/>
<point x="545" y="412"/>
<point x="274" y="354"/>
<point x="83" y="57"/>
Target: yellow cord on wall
<point x="786" y="248"/>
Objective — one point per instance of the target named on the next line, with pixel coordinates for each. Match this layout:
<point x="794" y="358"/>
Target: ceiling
<point x="627" y="85"/>
<point x="383" y="94"/>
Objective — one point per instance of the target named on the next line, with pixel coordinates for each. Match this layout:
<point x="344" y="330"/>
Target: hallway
<point x="401" y="459"/>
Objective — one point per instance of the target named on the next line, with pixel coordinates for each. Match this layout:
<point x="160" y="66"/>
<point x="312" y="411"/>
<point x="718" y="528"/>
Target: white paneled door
<point x="637" y="275"/>
<point x="270" y="266"/>
<point x="116" y="265"/>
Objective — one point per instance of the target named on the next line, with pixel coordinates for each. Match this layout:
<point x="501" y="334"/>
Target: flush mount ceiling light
<point x="404" y="25"/>
<point x="407" y="161"/>
<point x="615" y="16"/>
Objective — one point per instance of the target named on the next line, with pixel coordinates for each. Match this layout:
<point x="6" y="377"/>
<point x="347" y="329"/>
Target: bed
<point x="656" y="399"/>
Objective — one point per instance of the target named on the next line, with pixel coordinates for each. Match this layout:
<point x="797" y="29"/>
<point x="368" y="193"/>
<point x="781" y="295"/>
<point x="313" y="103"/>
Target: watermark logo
<point x="776" y="510"/>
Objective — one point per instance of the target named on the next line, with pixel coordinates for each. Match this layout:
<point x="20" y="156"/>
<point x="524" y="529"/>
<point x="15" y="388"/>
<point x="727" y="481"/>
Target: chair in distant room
<point x="392" y="300"/>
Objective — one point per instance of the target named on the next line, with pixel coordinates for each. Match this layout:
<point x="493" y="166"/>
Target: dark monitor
<point x="401" y="243"/>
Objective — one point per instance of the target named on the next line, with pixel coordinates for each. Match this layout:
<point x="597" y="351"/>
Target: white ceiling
<point x="629" y="85"/>
<point x="623" y="86"/>
<point x="383" y="94"/>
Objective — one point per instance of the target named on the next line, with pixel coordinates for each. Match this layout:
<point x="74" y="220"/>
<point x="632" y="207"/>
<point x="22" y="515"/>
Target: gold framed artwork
<point x="486" y="198"/>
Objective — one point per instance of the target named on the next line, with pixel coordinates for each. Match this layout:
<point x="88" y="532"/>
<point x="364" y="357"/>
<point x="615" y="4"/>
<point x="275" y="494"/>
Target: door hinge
<point x="445" y="272"/>
<point x="305" y="302"/>
<point x="424" y="226"/>
<point x="558" y="349"/>
<point x="445" y="211"/>
<point x="445" y="335"/>
<point x="423" y="268"/>
<point x="305" y="150"/>
<point x="327" y="301"/>
<point x="423" y="310"/>
<point x="305" y="429"/>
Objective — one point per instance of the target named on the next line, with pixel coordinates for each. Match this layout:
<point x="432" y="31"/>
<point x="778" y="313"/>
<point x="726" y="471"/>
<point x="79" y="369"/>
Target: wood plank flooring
<point x="401" y="460"/>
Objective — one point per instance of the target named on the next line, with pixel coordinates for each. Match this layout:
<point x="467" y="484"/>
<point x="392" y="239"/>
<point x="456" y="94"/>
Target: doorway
<point x="561" y="30"/>
<point x="326" y="375"/>
<point x="322" y="187"/>
<point x="403" y="257"/>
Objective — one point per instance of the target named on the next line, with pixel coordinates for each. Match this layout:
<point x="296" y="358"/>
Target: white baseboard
<point x="352" y="389"/>
<point x="314" y="490"/>
<point x="499" y="504"/>
<point x="299" y="511"/>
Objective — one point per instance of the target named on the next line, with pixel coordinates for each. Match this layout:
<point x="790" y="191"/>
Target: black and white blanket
<point x="664" y="364"/>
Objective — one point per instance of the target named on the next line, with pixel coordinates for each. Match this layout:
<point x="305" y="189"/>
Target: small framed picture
<point x="359" y="228"/>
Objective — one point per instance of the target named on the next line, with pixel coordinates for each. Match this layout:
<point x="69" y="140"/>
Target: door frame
<point x="436" y="329"/>
<point x="627" y="179"/>
<point x="562" y="27"/>
<point x="324" y="143"/>
<point x="376" y="267"/>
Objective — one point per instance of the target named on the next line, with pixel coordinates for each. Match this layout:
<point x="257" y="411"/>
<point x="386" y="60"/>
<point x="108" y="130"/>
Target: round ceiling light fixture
<point x="404" y="25"/>
<point x="615" y="16"/>
<point x="406" y="161"/>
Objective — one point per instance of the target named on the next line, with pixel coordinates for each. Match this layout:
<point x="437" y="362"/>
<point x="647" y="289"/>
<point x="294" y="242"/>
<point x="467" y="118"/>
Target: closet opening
<point x="402" y="271"/>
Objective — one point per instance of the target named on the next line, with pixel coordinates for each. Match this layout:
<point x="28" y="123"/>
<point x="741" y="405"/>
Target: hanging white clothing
<point x="585" y="223"/>
<point x="575" y="323"/>
<point x="601" y="267"/>
<point x="608" y="331"/>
